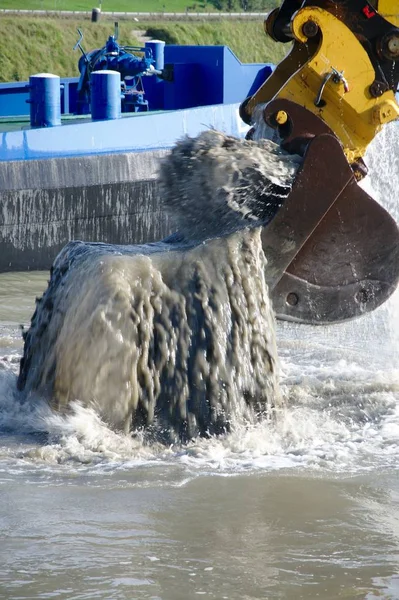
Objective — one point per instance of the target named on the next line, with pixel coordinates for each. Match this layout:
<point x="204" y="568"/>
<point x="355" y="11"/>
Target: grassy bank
<point x="123" y="5"/>
<point x="246" y="38"/>
<point x="32" y="45"/>
<point x="111" y="5"/>
<point x="45" y="45"/>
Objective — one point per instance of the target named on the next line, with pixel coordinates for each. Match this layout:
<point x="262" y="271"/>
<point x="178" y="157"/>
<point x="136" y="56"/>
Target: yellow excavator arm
<point x="389" y="9"/>
<point x="342" y="67"/>
<point x="333" y="251"/>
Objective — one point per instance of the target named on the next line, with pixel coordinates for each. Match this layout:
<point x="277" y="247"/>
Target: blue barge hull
<point x="96" y="180"/>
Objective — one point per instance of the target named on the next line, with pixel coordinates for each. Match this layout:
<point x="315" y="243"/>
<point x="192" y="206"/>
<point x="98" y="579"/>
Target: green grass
<point x="32" y="45"/>
<point x="111" y="5"/>
<point x="45" y="45"/>
<point x="246" y="38"/>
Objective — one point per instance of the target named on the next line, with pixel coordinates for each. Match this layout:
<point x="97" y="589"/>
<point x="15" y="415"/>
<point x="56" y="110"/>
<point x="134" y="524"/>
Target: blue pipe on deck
<point x="44" y="100"/>
<point x="105" y="95"/>
<point x="154" y="86"/>
<point x="157" y="47"/>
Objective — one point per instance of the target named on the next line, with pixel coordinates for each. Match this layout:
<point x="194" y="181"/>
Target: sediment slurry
<point x="178" y="336"/>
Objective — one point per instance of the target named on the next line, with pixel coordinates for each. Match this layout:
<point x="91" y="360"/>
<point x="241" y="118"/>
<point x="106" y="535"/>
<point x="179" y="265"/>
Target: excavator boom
<point x="333" y="251"/>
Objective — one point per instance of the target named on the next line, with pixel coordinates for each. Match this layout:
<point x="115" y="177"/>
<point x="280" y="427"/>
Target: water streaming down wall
<point x="177" y="336"/>
<point x="46" y="203"/>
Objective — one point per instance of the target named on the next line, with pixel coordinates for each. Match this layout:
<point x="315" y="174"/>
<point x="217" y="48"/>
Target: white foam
<point x="337" y="418"/>
<point x="341" y="410"/>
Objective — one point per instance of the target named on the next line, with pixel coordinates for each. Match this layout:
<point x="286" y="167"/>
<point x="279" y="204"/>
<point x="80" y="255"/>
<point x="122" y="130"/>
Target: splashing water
<point x="175" y="337"/>
<point x="340" y="385"/>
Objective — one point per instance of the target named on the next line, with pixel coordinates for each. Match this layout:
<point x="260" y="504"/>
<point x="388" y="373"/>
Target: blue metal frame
<point x="205" y="90"/>
<point x="202" y="75"/>
<point x="135" y="133"/>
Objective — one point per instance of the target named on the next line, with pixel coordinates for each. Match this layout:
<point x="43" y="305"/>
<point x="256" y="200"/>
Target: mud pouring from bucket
<point x="178" y="337"/>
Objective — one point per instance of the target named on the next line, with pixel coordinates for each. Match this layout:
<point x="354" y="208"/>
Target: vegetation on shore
<point x="247" y="39"/>
<point x="111" y="5"/>
<point x="33" y="45"/>
<point x="141" y="5"/>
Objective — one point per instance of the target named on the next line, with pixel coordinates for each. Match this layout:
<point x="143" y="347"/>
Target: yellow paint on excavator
<point x="331" y="75"/>
<point x="389" y="9"/>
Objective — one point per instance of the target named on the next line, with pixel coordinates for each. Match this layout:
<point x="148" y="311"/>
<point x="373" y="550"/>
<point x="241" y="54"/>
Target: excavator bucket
<point x="333" y="251"/>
